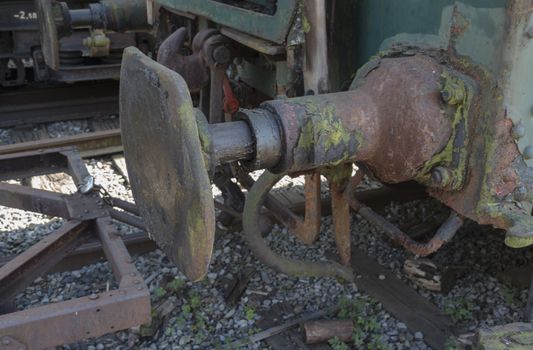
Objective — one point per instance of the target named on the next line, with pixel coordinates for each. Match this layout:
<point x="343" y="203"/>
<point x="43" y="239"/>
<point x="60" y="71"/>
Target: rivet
<point x="529" y="32"/>
<point x="441" y="176"/>
<point x="520" y="193"/>
<point x="446" y="95"/>
<point x="528" y="152"/>
<point x="518" y="131"/>
<point x="93" y="296"/>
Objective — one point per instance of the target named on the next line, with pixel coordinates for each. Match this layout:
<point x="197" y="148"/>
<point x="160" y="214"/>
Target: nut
<point x="441" y="176"/>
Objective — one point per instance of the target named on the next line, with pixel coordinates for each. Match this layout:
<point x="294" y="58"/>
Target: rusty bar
<point x="340" y="212"/>
<point x="216" y="98"/>
<point x="69" y="321"/>
<point x="78" y="171"/>
<point x="85" y="143"/>
<point x="117" y="254"/>
<point x="91" y="252"/>
<point x="125" y="205"/>
<point x="31" y="199"/>
<point x="254" y="202"/>
<point x="127" y="218"/>
<point x="32" y="163"/>
<point x="306" y="229"/>
<point x="18" y="273"/>
<point x="444" y="234"/>
<point x="309" y="228"/>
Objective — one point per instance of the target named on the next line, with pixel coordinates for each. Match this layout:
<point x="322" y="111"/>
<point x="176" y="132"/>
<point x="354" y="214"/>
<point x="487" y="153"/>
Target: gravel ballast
<point x="201" y="319"/>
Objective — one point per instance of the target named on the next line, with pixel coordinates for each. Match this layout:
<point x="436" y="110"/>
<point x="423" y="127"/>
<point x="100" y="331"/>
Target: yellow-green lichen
<point x="460" y="96"/>
<point x="518" y="242"/>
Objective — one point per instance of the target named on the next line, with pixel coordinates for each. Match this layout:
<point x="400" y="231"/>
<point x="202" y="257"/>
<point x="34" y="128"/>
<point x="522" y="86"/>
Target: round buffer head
<point x="167" y="172"/>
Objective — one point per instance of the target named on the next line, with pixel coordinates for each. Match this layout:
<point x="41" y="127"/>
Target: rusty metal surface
<point x="168" y="175"/>
<point x="392" y="122"/>
<point x="66" y="322"/>
<point x="89" y="145"/>
<point x="443" y="235"/>
<point x="69" y="321"/>
<point x="39" y="258"/>
<point x="340" y="211"/>
<point x="255" y="200"/>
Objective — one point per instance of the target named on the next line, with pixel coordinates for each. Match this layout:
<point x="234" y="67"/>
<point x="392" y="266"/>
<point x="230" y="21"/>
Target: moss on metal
<point x="324" y="135"/>
<point x="454" y="155"/>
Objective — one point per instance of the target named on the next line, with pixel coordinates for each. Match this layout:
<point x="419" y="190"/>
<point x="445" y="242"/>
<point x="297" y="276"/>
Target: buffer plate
<point x="167" y="172"/>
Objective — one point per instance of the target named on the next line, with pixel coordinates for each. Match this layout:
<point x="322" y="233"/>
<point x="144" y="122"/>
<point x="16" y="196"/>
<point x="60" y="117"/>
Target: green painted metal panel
<point x="273" y="28"/>
<point x="376" y="20"/>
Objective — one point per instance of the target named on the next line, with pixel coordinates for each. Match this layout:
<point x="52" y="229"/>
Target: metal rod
<point x="81" y="18"/>
<point x="231" y="141"/>
<point x="257" y="244"/>
<point x="18" y="273"/>
<point x="125" y="205"/>
<point x="127" y="218"/>
<point x="444" y="234"/>
<point x="31" y="199"/>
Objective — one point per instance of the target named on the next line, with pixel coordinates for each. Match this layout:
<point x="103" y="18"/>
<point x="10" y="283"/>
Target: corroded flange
<point x="168" y="174"/>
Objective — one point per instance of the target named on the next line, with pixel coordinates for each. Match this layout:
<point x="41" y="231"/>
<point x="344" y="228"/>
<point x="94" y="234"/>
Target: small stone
<point x="100" y="346"/>
<point x="419" y="336"/>
<point x="229" y="313"/>
<point x="381" y="277"/>
<point x="401" y="326"/>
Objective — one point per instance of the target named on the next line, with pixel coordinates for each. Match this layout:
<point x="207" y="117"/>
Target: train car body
<point x="436" y="93"/>
<point x="22" y="60"/>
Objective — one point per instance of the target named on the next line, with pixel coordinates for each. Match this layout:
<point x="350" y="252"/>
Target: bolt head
<point x="518" y="131"/>
<point x="520" y="193"/>
<point x="528" y="152"/>
<point x="222" y="55"/>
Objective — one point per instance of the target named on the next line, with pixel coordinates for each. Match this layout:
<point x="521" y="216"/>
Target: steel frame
<point x="88" y="214"/>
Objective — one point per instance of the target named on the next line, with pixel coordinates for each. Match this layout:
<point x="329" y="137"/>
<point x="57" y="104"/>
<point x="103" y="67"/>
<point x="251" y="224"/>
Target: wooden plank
<point x="291" y="338"/>
<point x="401" y="301"/>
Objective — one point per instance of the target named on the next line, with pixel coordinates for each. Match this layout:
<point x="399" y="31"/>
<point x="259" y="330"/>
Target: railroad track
<point x="32" y="105"/>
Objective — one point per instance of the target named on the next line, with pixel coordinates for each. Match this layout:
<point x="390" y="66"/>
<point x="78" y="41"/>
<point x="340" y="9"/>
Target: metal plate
<point x="168" y="175"/>
<point x="48" y="33"/>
